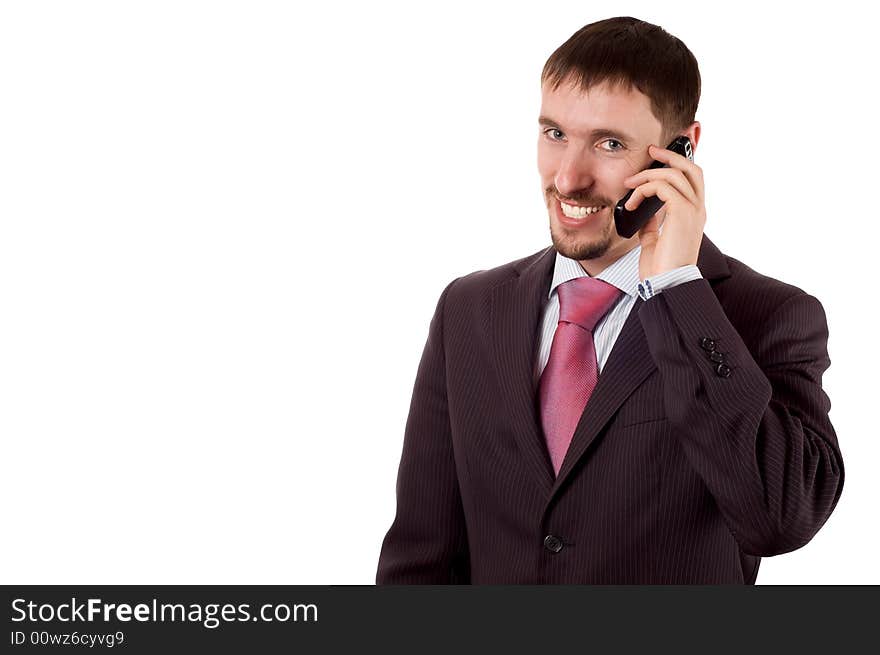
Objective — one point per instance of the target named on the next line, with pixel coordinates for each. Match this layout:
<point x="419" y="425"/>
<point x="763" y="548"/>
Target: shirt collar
<point x="623" y="274"/>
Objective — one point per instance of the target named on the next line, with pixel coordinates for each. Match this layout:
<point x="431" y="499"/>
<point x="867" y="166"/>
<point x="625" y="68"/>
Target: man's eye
<point x="620" y="145"/>
<point x="550" y="130"/>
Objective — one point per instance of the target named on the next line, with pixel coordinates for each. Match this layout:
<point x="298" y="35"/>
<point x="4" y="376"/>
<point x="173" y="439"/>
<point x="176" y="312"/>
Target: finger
<point x="666" y="192"/>
<point x="693" y="172"/>
<point x="649" y="233"/>
<point x="673" y="176"/>
<point x="661" y="214"/>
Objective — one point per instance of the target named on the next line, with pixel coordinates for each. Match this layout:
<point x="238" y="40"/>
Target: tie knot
<point x="585" y="300"/>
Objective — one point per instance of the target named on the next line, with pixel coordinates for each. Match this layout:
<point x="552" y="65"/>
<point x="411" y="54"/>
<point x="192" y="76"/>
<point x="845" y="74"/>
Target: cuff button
<point x="723" y="370"/>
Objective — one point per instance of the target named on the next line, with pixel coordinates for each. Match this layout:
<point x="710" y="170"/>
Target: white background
<point x="225" y="227"/>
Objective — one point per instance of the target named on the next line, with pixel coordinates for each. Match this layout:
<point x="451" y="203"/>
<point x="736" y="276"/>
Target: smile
<point x="574" y="211"/>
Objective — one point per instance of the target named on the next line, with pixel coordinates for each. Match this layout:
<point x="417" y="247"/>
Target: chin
<point x="574" y="245"/>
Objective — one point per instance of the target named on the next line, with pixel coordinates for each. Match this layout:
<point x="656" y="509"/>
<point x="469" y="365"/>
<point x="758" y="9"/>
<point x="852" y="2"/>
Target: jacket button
<point x="707" y="344"/>
<point x="552" y="543"/>
<point x="716" y="356"/>
<point x="723" y="370"/>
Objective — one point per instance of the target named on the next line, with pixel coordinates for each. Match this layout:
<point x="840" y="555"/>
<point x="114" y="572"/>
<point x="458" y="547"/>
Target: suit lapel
<point x="515" y="309"/>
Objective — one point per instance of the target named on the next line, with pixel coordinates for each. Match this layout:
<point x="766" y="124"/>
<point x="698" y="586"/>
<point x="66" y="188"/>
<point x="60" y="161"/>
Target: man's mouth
<point x="579" y="211"/>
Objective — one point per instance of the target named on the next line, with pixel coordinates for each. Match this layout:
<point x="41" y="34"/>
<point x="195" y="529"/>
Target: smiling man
<point x="610" y="410"/>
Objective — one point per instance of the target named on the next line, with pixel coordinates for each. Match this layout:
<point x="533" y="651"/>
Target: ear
<point x="693" y="133"/>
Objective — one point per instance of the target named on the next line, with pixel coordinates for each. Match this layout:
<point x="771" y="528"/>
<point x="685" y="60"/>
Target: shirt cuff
<point x="650" y="287"/>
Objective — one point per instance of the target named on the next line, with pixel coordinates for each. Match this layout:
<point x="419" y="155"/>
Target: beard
<point x="580" y="247"/>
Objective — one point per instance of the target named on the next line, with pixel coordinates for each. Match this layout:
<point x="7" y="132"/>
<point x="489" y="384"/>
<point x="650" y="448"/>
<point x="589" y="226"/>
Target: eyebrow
<point x="596" y="134"/>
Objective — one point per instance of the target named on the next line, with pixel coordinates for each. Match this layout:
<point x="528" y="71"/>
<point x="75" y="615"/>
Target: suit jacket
<point x="682" y="469"/>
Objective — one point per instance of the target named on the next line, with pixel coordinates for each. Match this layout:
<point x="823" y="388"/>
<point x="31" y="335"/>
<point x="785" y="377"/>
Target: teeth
<point x="579" y="212"/>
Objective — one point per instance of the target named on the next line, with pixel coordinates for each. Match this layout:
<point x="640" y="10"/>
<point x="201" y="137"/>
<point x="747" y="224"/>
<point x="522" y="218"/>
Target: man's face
<point x="588" y="143"/>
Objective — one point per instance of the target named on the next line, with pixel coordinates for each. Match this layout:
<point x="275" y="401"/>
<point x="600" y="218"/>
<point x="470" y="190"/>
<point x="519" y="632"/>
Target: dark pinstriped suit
<point x="675" y="474"/>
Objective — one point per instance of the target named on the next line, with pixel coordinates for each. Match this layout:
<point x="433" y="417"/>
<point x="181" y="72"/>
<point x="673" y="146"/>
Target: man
<point x="611" y="410"/>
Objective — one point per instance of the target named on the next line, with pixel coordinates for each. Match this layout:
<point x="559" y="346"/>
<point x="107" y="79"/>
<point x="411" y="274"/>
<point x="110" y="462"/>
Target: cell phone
<point x="629" y="222"/>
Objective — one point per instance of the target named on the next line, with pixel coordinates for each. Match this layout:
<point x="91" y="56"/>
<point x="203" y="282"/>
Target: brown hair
<point x="627" y="52"/>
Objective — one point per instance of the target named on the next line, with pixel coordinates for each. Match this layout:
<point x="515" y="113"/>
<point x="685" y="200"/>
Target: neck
<point x="595" y="266"/>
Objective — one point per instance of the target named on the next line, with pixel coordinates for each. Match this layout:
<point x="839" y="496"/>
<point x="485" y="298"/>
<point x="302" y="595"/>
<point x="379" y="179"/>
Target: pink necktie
<point x="572" y="370"/>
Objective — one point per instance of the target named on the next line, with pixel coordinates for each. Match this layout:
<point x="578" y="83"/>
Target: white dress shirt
<point x="623" y="274"/>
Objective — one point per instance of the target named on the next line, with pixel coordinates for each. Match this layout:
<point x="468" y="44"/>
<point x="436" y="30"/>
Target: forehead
<point x="602" y="107"/>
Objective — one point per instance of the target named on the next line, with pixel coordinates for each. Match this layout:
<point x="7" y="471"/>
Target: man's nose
<point x="575" y="173"/>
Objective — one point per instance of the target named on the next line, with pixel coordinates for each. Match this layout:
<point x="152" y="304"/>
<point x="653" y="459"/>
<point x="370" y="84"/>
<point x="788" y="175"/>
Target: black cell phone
<point x="629" y="222"/>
